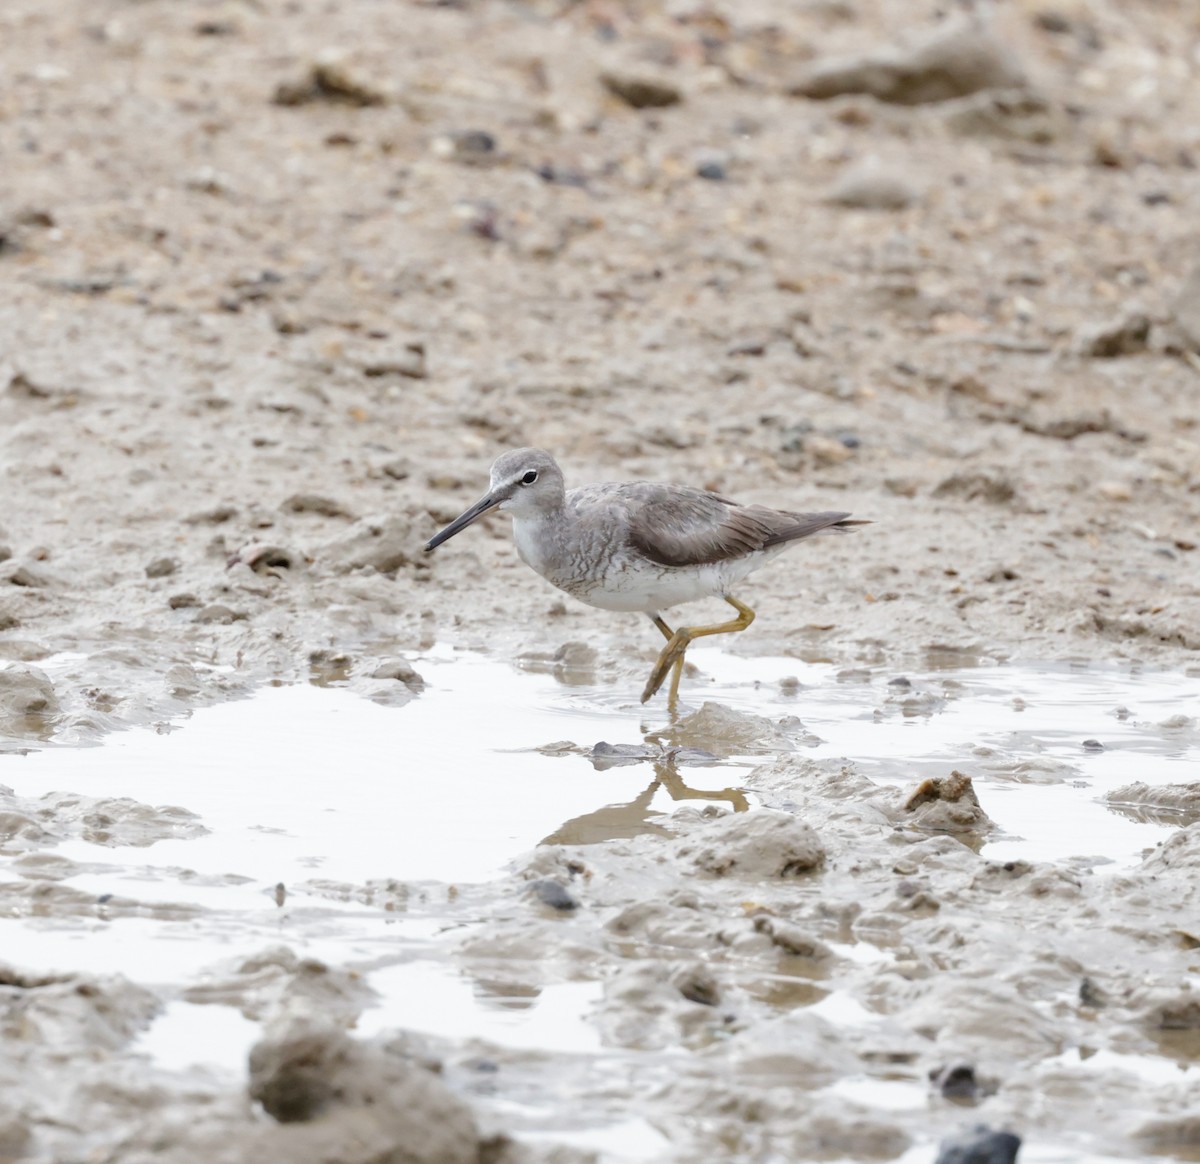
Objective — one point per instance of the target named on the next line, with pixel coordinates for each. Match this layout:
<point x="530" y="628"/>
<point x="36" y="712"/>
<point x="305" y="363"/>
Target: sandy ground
<point x="279" y="280"/>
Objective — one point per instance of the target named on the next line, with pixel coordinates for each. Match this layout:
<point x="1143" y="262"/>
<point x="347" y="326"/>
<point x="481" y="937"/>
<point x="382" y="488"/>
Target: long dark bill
<point x="488" y="501"/>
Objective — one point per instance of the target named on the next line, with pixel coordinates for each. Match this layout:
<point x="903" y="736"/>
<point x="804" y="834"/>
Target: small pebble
<point x="217" y="515"/>
<point x="900" y="681"/>
<point x="475" y="141"/>
<point x="472" y="145"/>
<point x="869" y="185"/>
<point x="218" y="612"/>
<point x="827" y="452"/>
<point x="1114" y="491"/>
<point x="711" y="172"/>
<point x="559" y="175"/>
<point x="401" y="672"/>
<point x="161" y="567"/>
<point x="1093" y="746"/>
<point x="642" y="92"/>
<point x="408" y="361"/>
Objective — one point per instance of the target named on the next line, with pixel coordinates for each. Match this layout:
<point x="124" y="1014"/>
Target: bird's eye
<point x="529" y="477"/>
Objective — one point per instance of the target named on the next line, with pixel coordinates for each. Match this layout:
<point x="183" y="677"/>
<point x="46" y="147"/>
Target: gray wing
<point x="675" y="526"/>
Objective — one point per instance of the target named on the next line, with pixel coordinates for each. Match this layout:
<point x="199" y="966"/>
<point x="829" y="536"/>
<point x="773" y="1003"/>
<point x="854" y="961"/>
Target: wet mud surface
<point x="278" y="281"/>
<point x="929" y="902"/>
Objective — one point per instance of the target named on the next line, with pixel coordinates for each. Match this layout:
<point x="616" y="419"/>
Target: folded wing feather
<point x="679" y="527"/>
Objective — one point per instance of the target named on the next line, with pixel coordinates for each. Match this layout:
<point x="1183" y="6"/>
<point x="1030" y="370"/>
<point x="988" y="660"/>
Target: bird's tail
<point x="807" y="525"/>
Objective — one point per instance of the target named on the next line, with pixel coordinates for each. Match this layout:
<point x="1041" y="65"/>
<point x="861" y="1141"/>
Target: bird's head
<point x="525" y="483"/>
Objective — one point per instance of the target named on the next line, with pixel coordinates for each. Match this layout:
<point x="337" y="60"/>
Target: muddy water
<point x="373" y="837"/>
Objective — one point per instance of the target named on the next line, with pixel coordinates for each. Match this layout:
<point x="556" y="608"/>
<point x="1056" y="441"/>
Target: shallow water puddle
<point x="421" y="996"/>
<point x="316" y="788"/>
<point x="186" y="1036"/>
<point x="1042" y="744"/>
<point x="377" y="821"/>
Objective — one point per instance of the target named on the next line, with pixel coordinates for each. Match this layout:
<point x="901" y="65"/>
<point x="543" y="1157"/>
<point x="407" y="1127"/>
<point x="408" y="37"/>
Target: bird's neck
<point x="539" y="533"/>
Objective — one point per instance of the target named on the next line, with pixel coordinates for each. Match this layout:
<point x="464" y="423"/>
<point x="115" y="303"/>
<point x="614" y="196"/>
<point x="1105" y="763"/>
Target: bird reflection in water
<point x="636" y="817"/>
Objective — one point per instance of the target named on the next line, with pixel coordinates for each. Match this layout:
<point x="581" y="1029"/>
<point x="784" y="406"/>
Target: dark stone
<point x="979" y="1146"/>
<point x="701" y="987"/>
<point x="475" y="141"/>
<point x="711" y="172"/>
<point x="554" y="894"/>
<point x="957" y="1081"/>
<point x="560" y="176"/>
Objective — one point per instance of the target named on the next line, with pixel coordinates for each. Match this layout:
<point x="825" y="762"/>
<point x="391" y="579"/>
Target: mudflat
<point x="279" y="280"/>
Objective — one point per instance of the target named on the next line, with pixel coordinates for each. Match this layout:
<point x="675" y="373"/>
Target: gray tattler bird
<point x="639" y="546"/>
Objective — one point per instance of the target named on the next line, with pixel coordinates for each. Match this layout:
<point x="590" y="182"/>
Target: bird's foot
<point x="671" y="656"/>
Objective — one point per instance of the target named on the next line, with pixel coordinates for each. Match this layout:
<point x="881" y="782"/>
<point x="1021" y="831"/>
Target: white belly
<point x="658" y="588"/>
<point x="619" y="581"/>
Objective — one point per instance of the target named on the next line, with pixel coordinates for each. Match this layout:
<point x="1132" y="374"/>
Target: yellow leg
<point x="667" y="632"/>
<point x="677" y="644"/>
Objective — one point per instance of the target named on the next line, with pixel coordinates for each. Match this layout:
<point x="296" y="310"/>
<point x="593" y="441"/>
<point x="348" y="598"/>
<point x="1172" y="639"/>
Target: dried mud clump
<point x="766" y="844"/>
<point x="953" y="62"/>
<point x="947" y="805"/>
<point x="1017" y="115"/>
<point x="996" y="488"/>
<point x="1180" y="850"/>
<point x="330" y="79"/>
<point x="715" y="726"/>
<point x="385" y="543"/>
<point x="1111" y="339"/>
<point x="1178" y="802"/>
<point x="27" y="701"/>
<point x="335" y="1097"/>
